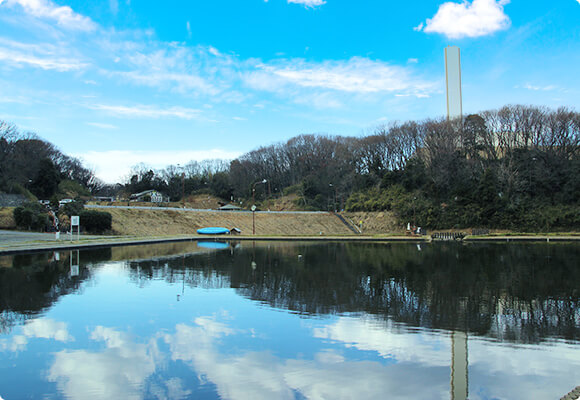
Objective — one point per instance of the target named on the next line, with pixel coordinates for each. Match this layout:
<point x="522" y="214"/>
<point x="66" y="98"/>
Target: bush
<point x="96" y="221"/>
<point x="31" y="216"/>
<point x="73" y="208"/>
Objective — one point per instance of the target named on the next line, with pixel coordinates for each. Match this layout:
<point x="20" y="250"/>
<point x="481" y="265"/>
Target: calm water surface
<point x="292" y="321"/>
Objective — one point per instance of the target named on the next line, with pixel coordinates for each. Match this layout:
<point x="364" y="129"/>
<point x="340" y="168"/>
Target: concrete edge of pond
<point x="42" y="246"/>
<point x="31" y="246"/>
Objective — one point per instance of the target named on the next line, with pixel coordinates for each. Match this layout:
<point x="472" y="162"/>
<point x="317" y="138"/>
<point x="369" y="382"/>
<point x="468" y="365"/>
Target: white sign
<point x="254" y="207"/>
<point x="74" y="220"/>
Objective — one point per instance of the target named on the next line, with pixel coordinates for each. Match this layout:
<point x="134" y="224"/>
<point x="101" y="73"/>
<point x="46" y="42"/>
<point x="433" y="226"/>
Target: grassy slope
<point x="174" y="222"/>
<point x="7" y="218"/>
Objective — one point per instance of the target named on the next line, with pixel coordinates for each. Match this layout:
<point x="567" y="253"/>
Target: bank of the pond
<point x="25" y="246"/>
<point x="49" y="243"/>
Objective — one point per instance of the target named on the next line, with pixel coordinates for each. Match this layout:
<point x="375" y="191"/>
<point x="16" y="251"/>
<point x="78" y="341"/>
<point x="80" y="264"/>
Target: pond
<point x="292" y="320"/>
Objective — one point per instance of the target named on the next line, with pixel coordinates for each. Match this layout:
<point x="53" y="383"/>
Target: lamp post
<point x="183" y="189"/>
<point x="530" y="174"/>
<point x="254" y="206"/>
<point x="253" y="219"/>
<point x="414" y="198"/>
<point x="179" y="167"/>
<point x="254" y="188"/>
<point x="334" y="203"/>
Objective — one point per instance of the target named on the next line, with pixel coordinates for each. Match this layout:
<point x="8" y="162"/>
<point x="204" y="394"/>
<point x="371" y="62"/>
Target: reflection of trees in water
<point x="192" y="270"/>
<point x="35" y="282"/>
<point x="515" y="292"/>
<point x="511" y="292"/>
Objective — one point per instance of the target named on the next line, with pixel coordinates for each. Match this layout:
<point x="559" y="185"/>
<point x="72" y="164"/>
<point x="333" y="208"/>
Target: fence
<point x="448" y="236"/>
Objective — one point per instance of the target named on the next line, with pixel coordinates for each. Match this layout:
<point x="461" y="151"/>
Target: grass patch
<point x="7" y="218"/>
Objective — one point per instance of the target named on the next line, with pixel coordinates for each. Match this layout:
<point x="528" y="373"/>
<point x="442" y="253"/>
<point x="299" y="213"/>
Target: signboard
<point x="74" y="221"/>
<point x="254" y="207"/>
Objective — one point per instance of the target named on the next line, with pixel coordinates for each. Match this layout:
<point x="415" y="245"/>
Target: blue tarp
<point x="213" y="245"/>
<point x="213" y="230"/>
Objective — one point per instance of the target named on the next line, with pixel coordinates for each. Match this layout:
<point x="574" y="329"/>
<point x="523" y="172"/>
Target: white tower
<point x="453" y="82"/>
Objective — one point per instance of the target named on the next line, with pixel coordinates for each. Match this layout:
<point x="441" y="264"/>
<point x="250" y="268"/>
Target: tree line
<point x="31" y="165"/>
<point x="516" y="167"/>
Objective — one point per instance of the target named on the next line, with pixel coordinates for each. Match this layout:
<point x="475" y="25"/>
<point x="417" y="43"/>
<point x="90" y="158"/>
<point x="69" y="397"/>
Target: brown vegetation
<point x="7" y="218"/>
<point x="176" y="222"/>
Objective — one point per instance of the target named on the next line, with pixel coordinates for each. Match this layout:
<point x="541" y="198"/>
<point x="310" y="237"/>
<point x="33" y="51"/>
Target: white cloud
<point x="458" y="20"/>
<point x="539" y="88"/>
<point x="118" y="372"/>
<point x="174" y="67"/>
<point x="147" y="111"/>
<point x="43" y="56"/>
<point x="38" y="328"/>
<point x="102" y="126"/>
<point x="357" y="75"/>
<point x="47" y="329"/>
<point x="324" y="100"/>
<point x="64" y="16"/>
<point x="180" y="82"/>
<point x="308" y="3"/>
<point x="115" y="165"/>
<point x="329" y="375"/>
<point x="388" y="339"/>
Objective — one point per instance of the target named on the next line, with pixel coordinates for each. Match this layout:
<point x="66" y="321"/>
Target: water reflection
<point x="187" y="321"/>
<point x="520" y="293"/>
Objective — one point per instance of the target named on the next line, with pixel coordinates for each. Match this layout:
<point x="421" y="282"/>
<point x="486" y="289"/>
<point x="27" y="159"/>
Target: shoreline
<point x="24" y="246"/>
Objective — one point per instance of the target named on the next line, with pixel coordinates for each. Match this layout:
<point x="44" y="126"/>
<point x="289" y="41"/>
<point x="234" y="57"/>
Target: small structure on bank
<point x="230" y="207"/>
<point x="151" y="195"/>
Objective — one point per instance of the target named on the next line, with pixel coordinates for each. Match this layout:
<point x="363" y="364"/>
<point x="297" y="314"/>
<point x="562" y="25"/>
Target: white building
<point x="453" y="82"/>
<point x="149" y="195"/>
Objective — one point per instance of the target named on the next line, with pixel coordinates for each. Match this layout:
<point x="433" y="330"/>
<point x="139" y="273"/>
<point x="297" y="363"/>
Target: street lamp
<point x="179" y="167"/>
<point x="335" y="189"/>
<point x="254" y="206"/>
<point x="254" y="188"/>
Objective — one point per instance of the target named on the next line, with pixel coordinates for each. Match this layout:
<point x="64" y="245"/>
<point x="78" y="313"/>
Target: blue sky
<point x="120" y="82"/>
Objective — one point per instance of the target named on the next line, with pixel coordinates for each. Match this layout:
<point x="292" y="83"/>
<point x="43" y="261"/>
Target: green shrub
<point x="95" y="221"/>
<point x="31" y="216"/>
<point x="73" y="208"/>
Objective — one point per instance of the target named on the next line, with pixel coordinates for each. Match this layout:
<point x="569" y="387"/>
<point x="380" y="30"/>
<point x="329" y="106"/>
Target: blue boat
<point x="213" y="230"/>
<point x="213" y="245"/>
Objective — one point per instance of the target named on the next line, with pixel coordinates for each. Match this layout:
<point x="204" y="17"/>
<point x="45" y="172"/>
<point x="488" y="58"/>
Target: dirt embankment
<point x="176" y="222"/>
<point x="374" y="223"/>
<point x="162" y="221"/>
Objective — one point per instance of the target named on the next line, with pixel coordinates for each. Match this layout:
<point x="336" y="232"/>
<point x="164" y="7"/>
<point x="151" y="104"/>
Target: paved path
<point x="7" y="237"/>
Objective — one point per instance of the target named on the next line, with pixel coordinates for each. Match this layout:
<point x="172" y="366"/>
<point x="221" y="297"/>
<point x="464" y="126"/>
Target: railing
<point x="348" y="224"/>
<point x="448" y="236"/>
